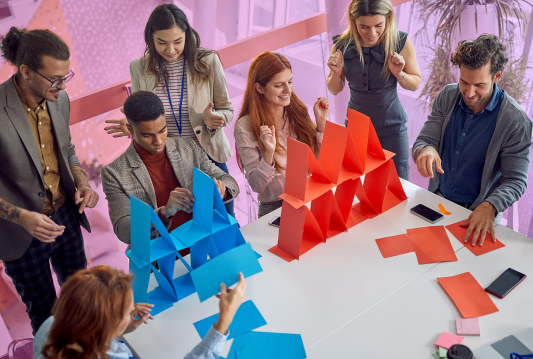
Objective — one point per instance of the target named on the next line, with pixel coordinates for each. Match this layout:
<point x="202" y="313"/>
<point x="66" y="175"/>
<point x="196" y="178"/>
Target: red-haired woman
<point x="96" y="306"/>
<point x="270" y="113"/>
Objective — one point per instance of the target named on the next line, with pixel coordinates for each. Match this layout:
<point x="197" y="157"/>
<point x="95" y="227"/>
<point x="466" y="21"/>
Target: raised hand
<point x="211" y="119"/>
<point x="230" y="301"/>
<point x="120" y="129"/>
<point x="268" y="138"/>
<point x="321" y="111"/>
<point x="336" y="62"/>
<point x="142" y="310"/>
<point x="396" y="63"/>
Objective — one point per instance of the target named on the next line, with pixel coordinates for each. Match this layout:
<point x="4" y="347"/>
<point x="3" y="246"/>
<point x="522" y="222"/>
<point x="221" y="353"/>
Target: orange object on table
<point x="443" y="210"/>
<point x="460" y="233"/>
<point x="431" y="245"/>
<point x="395" y="245"/>
<point x="469" y="297"/>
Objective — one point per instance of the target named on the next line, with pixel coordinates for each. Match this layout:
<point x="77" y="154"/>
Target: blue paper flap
<point x="225" y="269"/>
<point x="190" y="233"/>
<point x="140" y="228"/>
<point x="246" y="319"/>
<point x="184" y="286"/>
<point x="164" y="284"/>
<point x="267" y="345"/>
<point x="159" y="248"/>
<point x="202" y="190"/>
<point x="139" y="262"/>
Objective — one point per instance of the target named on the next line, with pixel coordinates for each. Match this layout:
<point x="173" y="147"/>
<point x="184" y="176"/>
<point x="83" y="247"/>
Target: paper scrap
<point x="510" y="344"/>
<point x="395" y="245"/>
<point x="469" y="297"/>
<point x="467" y="326"/>
<point x="245" y="320"/>
<point x="431" y="245"/>
<point x="446" y="340"/>
<point x="443" y="210"/>
<point x="225" y="269"/>
<point x="276" y="345"/>
<point x="460" y="232"/>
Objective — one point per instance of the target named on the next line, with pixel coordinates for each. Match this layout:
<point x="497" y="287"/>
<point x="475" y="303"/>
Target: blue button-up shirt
<point x="466" y="140"/>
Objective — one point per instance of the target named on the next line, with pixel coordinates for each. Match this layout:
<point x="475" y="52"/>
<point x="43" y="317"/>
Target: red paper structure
<point x="346" y="155"/>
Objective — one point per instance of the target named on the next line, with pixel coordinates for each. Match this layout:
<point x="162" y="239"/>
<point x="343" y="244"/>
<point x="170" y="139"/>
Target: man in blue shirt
<point x="475" y="144"/>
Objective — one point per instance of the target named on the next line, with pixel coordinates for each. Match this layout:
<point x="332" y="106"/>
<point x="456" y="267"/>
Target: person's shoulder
<point x="119" y="165"/>
<point x="138" y="64"/>
<point x="243" y="124"/>
<point x="41" y="337"/>
<point x="515" y="112"/>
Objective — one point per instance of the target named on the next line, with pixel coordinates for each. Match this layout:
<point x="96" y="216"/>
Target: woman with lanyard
<point x="373" y="56"/>
<point x="188" y="79"/>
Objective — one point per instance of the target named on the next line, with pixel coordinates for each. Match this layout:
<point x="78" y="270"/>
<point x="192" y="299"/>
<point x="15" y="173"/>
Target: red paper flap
<point x="394" y="184"/>
<point x="344" y="195"/>
<point x="298" y="231"/>
<point x="332" y="150"/>
<point x="358" y="124"/>
<point x="328" y="215"/>
<point x="296" y="173"/>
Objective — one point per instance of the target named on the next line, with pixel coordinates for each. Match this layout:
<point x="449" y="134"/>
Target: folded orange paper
<point x="431" y="245"/>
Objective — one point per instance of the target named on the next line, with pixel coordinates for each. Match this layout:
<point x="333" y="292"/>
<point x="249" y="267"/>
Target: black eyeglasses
<point x="57" y="82"/>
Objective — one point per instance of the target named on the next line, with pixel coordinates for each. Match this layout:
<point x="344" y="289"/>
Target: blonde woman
<point x="374" y="56"/>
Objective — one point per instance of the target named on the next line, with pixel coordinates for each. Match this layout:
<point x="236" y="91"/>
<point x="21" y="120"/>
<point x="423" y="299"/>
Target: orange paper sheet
<point x="460" y="233"/>
<point x="431" y="245"/>
<point x="443" y="210"/>
<point x="395" y="245"/>
<point x="469" y="297"/>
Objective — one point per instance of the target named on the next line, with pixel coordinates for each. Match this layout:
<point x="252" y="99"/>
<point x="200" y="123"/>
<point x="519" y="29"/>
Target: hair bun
<point x="10" y="44"/>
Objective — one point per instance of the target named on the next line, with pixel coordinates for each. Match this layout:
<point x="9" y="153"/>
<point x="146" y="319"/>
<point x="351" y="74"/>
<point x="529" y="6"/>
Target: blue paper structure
<point x="210" y="234"/>
<point x="245" y="320"/>
<point x="263" y="345"/>
<point x="225" y="269"/>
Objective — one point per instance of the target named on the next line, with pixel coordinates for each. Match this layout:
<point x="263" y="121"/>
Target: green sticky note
<point x="436" y="355"/>
<point x="442" y="352"/>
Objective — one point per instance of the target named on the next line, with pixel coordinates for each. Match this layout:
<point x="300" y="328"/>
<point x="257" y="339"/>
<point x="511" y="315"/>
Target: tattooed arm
<point x="37" y="224"/>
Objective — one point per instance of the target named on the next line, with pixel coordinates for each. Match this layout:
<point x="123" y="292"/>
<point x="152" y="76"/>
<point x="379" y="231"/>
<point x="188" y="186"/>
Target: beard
<point x="477" y="103"/>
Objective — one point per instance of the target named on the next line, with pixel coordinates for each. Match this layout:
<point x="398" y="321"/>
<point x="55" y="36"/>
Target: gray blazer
<point x="504" y="178"/>
<point x="21" y="174"/>
<point x="215" y="90"/>
<point x="127" y="175"/>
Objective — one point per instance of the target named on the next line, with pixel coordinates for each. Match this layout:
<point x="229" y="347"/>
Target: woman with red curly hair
<point x="271" y="112"/>
<point x="96" y="306"/>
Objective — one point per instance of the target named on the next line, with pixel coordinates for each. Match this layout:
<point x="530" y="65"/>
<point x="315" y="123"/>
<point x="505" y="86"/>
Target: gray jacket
<point x="127" y="175"/>
<point x="504" y="178"/>
<point x="21" y="172"/>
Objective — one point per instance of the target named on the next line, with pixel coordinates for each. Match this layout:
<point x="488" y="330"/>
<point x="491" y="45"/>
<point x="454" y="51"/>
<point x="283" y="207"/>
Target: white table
<point x="336" y="294"/>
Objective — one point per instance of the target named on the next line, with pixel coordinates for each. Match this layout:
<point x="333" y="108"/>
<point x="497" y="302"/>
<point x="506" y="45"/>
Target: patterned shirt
<point x="175" y="73"/>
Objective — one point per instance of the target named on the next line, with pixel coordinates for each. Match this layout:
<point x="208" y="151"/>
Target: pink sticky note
<point x="446" y="340"/>
<point x="467" y="326"/>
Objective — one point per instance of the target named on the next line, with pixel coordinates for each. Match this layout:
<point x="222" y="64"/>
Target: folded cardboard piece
<point x="346" y="155"/>
<point x="211" y="233"/>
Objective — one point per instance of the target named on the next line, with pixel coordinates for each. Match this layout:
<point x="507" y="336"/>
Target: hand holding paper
<point x="230" y="300"/>
<point x="181" y="199"/>
<point x="221" y="188"/>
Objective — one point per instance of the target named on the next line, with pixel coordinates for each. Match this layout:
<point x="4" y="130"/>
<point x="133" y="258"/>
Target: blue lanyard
<point x="181" y="98"/>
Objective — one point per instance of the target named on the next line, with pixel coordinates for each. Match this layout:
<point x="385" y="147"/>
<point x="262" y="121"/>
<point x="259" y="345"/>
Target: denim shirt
<point x="465" y="144"/>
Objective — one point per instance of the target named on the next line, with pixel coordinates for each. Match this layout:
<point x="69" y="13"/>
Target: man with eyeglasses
<point x="43" y="189"/>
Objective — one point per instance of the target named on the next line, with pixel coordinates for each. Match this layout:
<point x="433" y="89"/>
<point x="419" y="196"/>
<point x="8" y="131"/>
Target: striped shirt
<point x="175" y="72"/>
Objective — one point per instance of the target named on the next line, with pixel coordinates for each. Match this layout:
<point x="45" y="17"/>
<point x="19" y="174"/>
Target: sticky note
<point x="436" y="355"/>
<point x="460" y="232"/>
<point x="395" y="245"/>
<point x="443" y="210"/>
<point x="246" y="319"/>
<point x="446" y="340"/>
<point x="469" y="297"/>
<point x="225" y="269"/>
<point x="431" y="245"/>
<point x="274" y="345"/>
<point x="442" y="352"/>
<point x="467" y="326"/>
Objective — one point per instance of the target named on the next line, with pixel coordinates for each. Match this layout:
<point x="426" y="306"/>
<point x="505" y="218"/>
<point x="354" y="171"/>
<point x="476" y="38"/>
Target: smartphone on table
<point x="275" y="222"/>
<point x="427" y="213"/>
<point x="505" y="283"/>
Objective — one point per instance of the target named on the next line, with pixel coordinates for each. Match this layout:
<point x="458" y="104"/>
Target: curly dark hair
<point x="474" y="54"/>
<point x="143" y="106"/>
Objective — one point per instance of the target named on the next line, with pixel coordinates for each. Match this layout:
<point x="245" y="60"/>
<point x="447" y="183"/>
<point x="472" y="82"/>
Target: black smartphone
<point x="505" y="283"/>
<point x="426" y="213"/>
<point x="275" y="222"/>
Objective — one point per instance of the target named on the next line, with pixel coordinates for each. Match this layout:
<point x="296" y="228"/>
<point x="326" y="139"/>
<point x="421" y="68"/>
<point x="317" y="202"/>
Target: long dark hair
<point x="28" y="47"/>
<point x="164" y="17"/>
